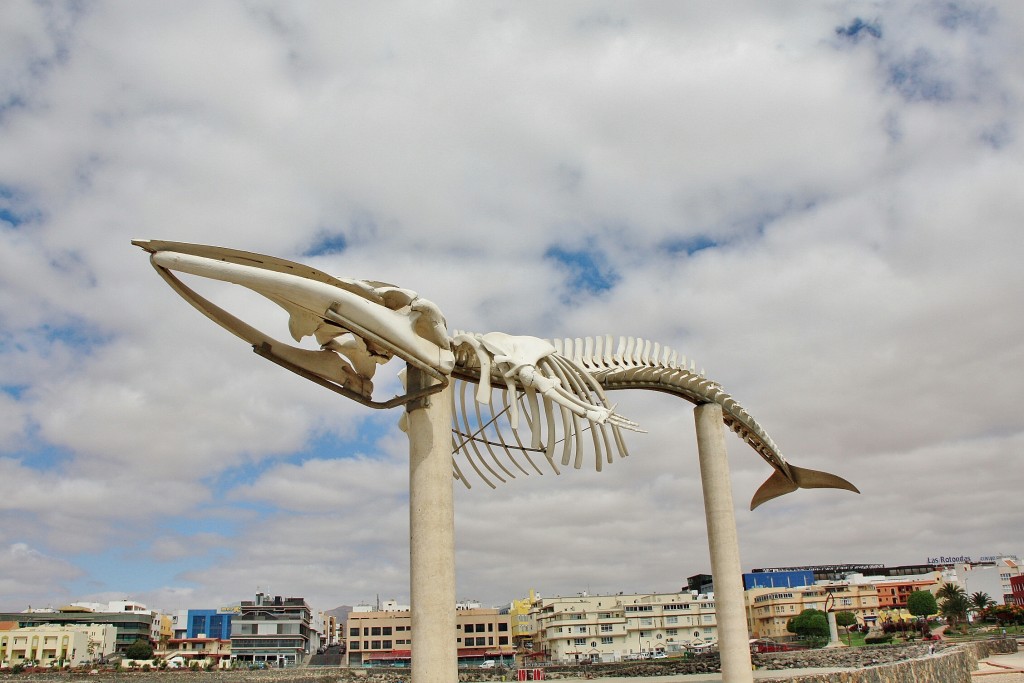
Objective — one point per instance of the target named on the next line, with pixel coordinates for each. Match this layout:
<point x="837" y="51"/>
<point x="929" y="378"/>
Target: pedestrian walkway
<point x="1001" y="669"/>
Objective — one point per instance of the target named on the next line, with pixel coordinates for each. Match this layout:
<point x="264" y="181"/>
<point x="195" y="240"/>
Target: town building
<point x="523" y="624"/>
<point x="56" y="645"/>
<point x="330" y="625"/>
<point x="209" y="623"/>
<point x="893" y="584"/>
<point x="991" y="575"/>
<point x="163" y="628"/>
<point x="609" y="628"/>
<point x="179" y="623"/>
<point x="1016" y="590"/>
<point x="385" y="636"/>
<point x="700" y="583"/>
<point x="201" y="651"/>
<point x="272" y="631"/>
<point x="893" y="591"/>
<point x="782" y="578"/>
<point x="131" y="621"/>
<point x="770" y="608"/>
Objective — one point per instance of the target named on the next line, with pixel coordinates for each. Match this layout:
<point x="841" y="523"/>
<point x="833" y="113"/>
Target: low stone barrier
<point x="951" y="663"/>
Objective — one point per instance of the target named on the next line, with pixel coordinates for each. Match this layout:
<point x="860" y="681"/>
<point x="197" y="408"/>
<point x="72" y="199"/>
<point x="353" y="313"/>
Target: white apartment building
<point x="56" y="645"/>
<point x="385" y="606"/>
<point x="991" y="575"/>
<point x="610" y="628"/>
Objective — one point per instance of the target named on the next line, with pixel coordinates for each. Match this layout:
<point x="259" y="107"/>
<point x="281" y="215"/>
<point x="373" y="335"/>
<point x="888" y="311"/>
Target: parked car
<point x="488" y="664"/>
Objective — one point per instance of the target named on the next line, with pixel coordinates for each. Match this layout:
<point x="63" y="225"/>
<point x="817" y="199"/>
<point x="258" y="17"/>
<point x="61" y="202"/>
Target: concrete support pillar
<point x="431" y="535"/>
<point x="733" y="641"/>
<point x="833" y="631"/>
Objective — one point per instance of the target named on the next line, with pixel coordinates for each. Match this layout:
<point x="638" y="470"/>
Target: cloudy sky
<point x="819" y="202"/>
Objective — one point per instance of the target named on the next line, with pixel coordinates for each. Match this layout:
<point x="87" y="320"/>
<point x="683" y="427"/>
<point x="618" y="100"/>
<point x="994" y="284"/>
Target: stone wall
<point x="876" y="664"/>
<point x="951" y="664"/>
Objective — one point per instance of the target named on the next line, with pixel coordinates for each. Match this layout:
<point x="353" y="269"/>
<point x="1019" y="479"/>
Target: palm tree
<point x="950" y="590"/>
<point x="954" y="603"/>
<point x="981" y="601"/>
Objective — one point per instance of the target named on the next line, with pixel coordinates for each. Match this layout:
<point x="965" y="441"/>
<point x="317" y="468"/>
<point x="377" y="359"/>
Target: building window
<point x="502" y="640"/>
<point x="606" y="628"/>
<point x="607" y="640"/>
<point x="355" y="644"/>
<point x="671" y="620"/>
<point x="502" y="626"/>
<point x="386" y="644"/>
<point x="579" y="642"/>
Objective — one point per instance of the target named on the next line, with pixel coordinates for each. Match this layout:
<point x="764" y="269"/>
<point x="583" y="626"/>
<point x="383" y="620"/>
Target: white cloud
<point x="827" y="224"/>
<point x="30" y="578"/>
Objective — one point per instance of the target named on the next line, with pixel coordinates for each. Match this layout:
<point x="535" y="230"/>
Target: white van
<point x="488" y="664"/>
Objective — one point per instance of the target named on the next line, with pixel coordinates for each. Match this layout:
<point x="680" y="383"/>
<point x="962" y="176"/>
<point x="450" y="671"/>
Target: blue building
<point x="778" y="579"/>
<point x="210" y="623"/>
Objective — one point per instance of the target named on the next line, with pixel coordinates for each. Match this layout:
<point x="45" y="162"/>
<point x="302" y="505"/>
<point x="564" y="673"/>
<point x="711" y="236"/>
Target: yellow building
<point x="770" y="609"/>
<point x="51" y="645"/>
<point x="523" y="624"/>
<point x="165" y="629"/>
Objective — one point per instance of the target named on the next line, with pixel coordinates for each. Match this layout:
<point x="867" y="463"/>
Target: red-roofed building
<point x="1017" y="588"/>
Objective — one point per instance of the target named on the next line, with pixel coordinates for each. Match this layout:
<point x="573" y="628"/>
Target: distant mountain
<point x="340" y="613"/>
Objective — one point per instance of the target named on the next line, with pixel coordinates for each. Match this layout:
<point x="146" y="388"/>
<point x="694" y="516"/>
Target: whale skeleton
<point x="609" y="365"/>
<point x="531" y="397"/>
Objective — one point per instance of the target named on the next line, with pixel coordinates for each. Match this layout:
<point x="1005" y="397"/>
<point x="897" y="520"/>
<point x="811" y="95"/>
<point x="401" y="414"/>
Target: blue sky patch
<point x="45" y="457"/>
<point x="688" y="245"/>
<point x="15" y="391"/>
<point x="955" y="17"/>
<point x="997" y="136"/>
<point x="13" y="206"/>
<point x="327" y="243"/>
<point x="80" y="335"/>
<point x="130" y="573"/>
<point x="858" y="28"/>
<point x="588" y="270"/>
<point x="12" y="103"/>
<point x="322" y="446"/>
<point x="204" y="520"/>
<point x="914" y="78"/>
